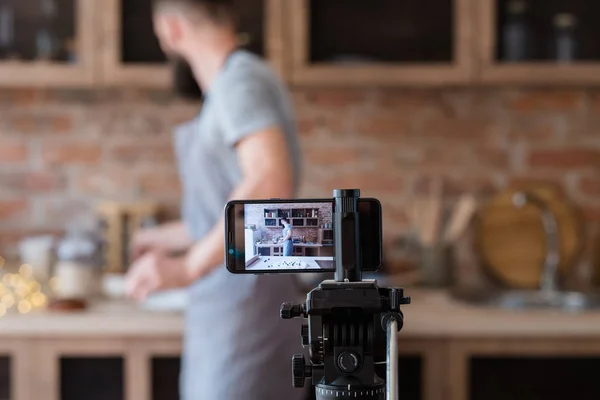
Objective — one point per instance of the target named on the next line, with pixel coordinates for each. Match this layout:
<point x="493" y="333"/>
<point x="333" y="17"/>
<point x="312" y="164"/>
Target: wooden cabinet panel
<point x="67" y="369"/>
<point x="165" y="377"/>
<point x="534" y="377"/>
<point x="91" y="378"/>
<point x="475" y="367"/>
<point x="15" y="370"/>
<point x="5" y="378"/>
<point x="384" y="42"/>
<point x="131" y="55"/>
<point x="48" y="43"/>
<point x="530" y="42"/>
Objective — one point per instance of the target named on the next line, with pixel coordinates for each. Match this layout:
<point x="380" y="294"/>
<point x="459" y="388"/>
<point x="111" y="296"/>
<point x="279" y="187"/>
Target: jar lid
<point x="565" y="20"/>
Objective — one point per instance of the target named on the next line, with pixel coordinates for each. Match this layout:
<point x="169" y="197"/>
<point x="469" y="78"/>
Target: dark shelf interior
<point x="165" y="378"/>
<point x="381" y="31"/>
<point x="251" y="22"/>
<point x="538" y="20"/>
<point x="548" y="378"/>
<point x="138" y="41"/>
<point x="28" y="33"/>
<point x="91" y="378"/>
<point x="140" y="45"/>
<point x="5" y="375"/>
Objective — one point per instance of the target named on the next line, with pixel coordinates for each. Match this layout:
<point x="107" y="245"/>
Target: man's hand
<point x="156" y="272"/>
<point x="144" y="241"/>
<point x="170" y="237"/>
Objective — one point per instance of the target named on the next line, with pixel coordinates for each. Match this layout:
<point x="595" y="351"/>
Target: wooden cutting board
<point x="511" y="240"/>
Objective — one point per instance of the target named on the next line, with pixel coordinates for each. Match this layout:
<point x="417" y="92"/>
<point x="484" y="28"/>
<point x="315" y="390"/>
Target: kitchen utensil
<point x="120" y="221"/>
<point x="436" y="265"/>
<point x="38" y="252"/>
<point x="512" y="242"/>
<point x="462" y="215"/>
<point x="432" y="214"/>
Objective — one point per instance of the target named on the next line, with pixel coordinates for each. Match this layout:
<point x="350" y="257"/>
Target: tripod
<point x="351" y="322"/>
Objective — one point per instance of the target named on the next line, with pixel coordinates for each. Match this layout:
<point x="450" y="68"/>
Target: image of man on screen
<point x="288" y="243"/>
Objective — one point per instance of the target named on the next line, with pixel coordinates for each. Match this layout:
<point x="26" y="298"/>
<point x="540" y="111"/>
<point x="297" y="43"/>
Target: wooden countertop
<point x="432" y="314"/>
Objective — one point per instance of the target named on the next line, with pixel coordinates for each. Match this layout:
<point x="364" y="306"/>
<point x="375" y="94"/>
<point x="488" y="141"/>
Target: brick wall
<point x="60" y="152"/>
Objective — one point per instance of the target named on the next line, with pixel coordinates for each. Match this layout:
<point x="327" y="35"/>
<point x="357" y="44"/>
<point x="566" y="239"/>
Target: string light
<point x="21" y="291"/>
<point x="24" y="307"/>
<point x="26" y="271"/>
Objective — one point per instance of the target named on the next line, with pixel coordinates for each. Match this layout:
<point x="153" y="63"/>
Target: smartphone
<point x="294" y="236"/>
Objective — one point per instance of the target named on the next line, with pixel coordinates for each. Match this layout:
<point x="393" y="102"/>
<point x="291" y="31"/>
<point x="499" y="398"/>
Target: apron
<point x="288" y="245"/>
<point x="236" y="346"/>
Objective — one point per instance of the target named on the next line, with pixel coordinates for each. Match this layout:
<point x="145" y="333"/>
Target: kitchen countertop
<point x="432" y="314"/>
<point x="265" y="262"/>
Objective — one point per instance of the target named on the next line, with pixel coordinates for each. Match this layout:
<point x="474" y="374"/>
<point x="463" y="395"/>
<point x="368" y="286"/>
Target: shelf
<point x="127" y="23"/>
<point x="531" y="56"/>
<point x="47" y="43"/>
<point x="384" y="42"/>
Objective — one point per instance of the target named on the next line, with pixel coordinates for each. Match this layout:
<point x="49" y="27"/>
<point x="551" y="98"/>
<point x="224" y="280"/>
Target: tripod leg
<point x="392" y="360"/>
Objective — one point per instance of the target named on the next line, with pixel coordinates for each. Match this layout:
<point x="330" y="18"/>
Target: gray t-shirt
<point x="245" y="98"/>
<point x="236" y="346"/>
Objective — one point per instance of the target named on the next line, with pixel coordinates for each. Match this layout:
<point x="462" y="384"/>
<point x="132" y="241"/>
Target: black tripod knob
<point x="291" y="310"/>
<point x="304" y="333"/>
<point x="300" y="371"/>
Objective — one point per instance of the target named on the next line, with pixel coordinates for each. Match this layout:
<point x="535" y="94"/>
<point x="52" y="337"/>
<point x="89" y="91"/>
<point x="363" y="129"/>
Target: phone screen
<point x="293" y="236"/>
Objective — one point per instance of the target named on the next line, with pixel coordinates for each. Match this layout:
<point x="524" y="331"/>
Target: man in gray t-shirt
<point x="242" y="145"/>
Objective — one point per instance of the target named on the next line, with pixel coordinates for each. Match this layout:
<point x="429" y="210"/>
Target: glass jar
<point x="515" y="33"/>
<point x="565" y="44"/>
<point x="79" y="267"/>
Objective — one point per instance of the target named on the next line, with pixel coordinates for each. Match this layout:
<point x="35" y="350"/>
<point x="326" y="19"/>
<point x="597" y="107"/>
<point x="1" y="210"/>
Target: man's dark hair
<point x="221" y="12"/>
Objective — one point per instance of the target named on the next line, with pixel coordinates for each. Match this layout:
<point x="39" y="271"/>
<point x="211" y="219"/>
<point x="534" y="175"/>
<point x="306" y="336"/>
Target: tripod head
<point x="347" y="320"/>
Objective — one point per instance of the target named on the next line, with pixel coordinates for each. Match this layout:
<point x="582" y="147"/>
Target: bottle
<point x="565" y="45"/>
<point x="46" y="39"/>
<point x="515" y="33"/>
<point x="7" y="30"/>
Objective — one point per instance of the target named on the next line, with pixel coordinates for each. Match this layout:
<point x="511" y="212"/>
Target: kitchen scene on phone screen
<point x="288" y="236"/>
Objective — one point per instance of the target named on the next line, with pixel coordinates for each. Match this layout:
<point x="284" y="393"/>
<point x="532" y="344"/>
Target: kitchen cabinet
<point x="132" y="56"/>
<point x="91" y="369"/>
<point x="541" y="42"/>
<point x="523" y="369"/>
<point x="5" y="376"/>
<point x="15" y="374"/>
<point x="165" y="377"/>
<point x="381" y="42"/>
<point x="48" y="43"/>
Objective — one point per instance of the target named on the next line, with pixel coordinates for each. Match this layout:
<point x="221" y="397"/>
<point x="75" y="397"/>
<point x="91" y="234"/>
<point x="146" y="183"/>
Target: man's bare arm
<point x="267" y="173"/>
<point x="170" y="237"/>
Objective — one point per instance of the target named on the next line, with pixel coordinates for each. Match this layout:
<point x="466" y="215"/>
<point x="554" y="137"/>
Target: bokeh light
<point x="20" y="291"/>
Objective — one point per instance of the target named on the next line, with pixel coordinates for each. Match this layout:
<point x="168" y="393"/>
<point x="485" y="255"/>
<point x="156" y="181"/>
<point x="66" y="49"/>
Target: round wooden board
<point x="512" y="243"/>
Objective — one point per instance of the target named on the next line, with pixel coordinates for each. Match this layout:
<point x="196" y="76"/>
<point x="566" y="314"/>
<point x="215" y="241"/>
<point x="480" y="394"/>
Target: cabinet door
<point x="381" y="42"/>
<point x="548" y="42"/>
<point x="15" y="373"/>
<point x="81" y="368"/>
<point x="153" y="369"/>
<point x="132" y="55"/>
<point x="523" y="369"/>
<point x="49" y="43"/>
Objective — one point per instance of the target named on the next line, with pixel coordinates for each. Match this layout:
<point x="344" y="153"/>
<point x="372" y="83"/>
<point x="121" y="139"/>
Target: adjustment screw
<point x="305" y="335"/>
<point x="299" y="371"/>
